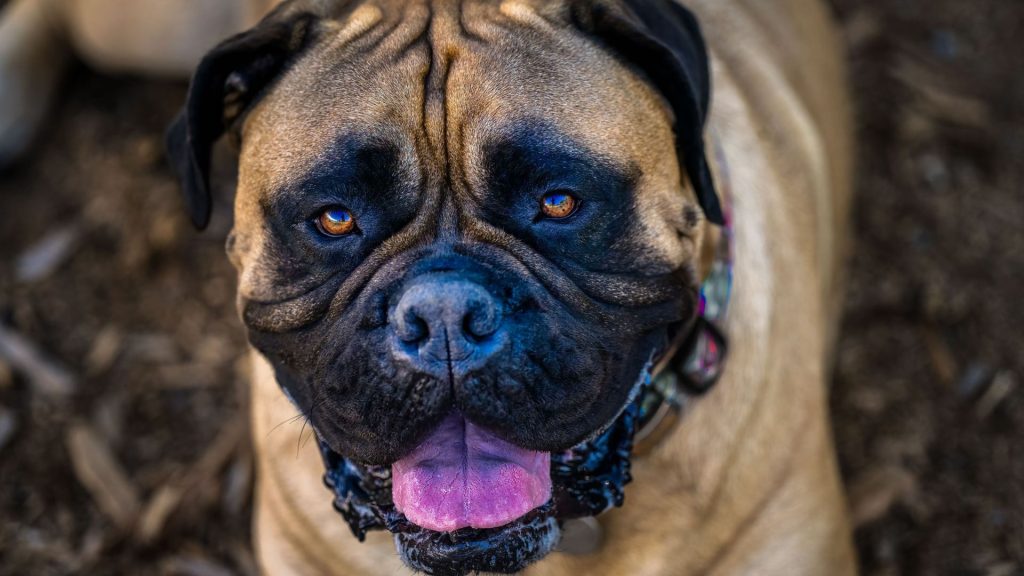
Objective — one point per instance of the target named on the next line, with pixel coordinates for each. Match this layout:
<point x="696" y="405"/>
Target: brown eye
<point x="558" y="205"/>
<point x="336" y="221"/>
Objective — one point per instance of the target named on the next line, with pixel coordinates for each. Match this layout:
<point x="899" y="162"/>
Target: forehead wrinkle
<point x="385" y="40"/>
<point x="463" y="33"/>
<point x="448" y="39"/>
<point x="361" y="20"/>
<point x="343" y="83"/>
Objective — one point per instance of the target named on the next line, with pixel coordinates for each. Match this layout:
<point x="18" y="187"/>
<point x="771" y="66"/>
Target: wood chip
<point x="45" y="374"/>
<point x="53" y="547"/>
<point x="862" y="28"/>
<point x="219" y="453"/>
<point x="152" y="348"/>
<point x="238" y="484"/>
<point x="156" y="513"/>
<point x="102" y="475"/>
<point x="108" y="418"/>
<point x="187" y="376"/>
<point x="975" y="379"/>
<point x="215" y="349"/>
<point x="1003" y="569"/>
<point x="245" y="560"/>
<point x="8" y="426"/>
<point x="936" y="98"/>
<point x="6" y="375"/>
<point x="187" y="565"/>
<point x="91" y="548"/>
<point x="44" y="257"/>
<point x="941" y="356"/>
<point x="876" y="491"/>
<point x="194" y="490"/>
<point x="104" y="351"/>
<point x="202" y="482"/>
<point x="1002" y="386"/>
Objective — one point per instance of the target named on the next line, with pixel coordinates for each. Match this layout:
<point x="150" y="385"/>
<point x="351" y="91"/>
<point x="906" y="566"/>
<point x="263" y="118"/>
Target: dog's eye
<point x="336" y="221"/>
<point x="558" y="205"/>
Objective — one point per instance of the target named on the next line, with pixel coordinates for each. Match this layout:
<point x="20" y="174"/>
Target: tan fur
<point x="747" y="484"/>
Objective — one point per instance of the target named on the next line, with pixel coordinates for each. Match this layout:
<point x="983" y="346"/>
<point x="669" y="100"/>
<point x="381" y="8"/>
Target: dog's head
<point x="463" y="231"/>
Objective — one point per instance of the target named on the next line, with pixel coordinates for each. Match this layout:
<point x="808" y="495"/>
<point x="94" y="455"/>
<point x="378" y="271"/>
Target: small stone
<point x="6" y="375"/>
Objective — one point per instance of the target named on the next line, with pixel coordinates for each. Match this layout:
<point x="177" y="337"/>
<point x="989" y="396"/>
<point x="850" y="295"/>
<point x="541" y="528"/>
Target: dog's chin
<point x="505" y="549"/>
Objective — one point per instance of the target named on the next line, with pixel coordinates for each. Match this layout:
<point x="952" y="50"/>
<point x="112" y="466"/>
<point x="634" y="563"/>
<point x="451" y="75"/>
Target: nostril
<point x="411" y="328"/>
<point x="481" y="319"/>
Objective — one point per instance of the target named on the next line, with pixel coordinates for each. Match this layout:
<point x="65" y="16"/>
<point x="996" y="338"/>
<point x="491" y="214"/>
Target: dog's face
<point x="462" y="232"/>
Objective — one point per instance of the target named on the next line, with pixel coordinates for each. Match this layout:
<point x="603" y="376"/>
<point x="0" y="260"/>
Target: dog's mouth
<point x="467" y="501"/>
<point x="462" y="476"/>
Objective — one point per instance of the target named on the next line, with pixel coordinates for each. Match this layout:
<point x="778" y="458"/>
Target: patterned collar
<point x="695" y="361"/>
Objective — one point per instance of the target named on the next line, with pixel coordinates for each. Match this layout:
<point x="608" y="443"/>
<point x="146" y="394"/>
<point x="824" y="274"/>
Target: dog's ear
<point x="227" y="81"/>
<point x="662" y="39"/>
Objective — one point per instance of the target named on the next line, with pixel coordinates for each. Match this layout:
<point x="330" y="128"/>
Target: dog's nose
<point x="448" y="320"/>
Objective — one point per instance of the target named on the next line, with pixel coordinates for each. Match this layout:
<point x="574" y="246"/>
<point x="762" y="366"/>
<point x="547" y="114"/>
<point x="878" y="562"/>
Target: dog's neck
<point x="695" y="359"/>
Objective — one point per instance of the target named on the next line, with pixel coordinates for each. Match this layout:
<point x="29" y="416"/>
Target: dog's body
<point x="747" y="483"/>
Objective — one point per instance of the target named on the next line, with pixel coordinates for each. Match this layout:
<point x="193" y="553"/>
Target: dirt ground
<point x="122" y="450"/>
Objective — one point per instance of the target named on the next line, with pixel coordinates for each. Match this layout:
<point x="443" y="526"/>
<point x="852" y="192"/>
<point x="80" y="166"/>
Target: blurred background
<point x="123" y="442"/>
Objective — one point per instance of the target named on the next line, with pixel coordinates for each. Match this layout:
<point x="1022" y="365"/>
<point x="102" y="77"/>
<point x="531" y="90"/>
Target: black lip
<point x="506" y="549"/>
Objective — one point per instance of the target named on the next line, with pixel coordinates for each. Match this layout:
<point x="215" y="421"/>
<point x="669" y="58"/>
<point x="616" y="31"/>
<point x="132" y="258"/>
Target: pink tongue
<point x="464" y="476"/>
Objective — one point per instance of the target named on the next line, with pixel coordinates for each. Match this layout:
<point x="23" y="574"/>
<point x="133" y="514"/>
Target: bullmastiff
<point x="486" y="249"/>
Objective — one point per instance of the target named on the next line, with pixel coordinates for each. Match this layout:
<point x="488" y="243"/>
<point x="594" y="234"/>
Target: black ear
<point x="228" y="80"/>
<point x="663" y="40"/>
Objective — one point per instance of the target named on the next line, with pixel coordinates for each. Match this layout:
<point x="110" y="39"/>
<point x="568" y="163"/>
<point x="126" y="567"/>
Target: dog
<point x="486" y="248"/>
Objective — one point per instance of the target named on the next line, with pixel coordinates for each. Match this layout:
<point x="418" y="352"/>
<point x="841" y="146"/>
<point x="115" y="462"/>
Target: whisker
<point x="318" y="400"/>
<point x="287" y="421"/>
